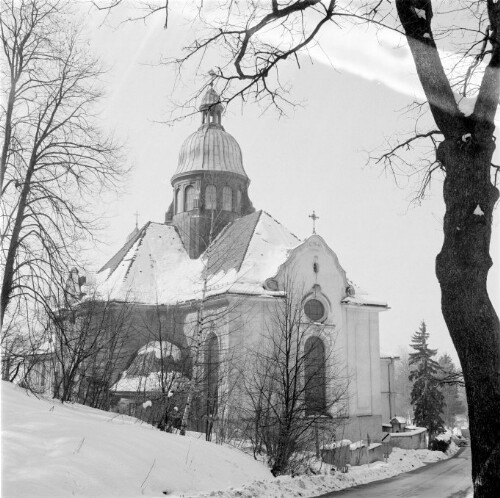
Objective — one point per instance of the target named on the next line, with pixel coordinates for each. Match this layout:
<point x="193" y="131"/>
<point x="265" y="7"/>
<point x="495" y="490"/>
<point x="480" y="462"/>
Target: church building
<point x="216" y="274"/>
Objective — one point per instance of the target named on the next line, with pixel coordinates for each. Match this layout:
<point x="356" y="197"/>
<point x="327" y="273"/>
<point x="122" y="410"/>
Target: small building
<point x="398" y="424"/>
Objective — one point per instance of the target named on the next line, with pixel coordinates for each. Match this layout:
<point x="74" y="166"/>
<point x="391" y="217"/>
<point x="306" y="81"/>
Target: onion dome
<point x="210" y="148"/>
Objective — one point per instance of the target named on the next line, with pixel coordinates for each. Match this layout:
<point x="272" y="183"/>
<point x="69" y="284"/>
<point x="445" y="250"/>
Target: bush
<point x="439" y="445"/>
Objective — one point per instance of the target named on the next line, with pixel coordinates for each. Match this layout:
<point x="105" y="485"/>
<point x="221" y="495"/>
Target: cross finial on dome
<point x="213" y="76"/>
<point x="314" y="218"/>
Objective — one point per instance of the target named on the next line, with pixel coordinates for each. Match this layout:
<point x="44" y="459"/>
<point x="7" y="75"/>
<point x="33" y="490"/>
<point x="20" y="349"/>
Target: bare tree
<point x="26" y="344"/>
<point x="89" y="344"/>
<point x="54" y="157"/>
<point x="403" y="385"/>
<point x="294" y="383"/>
<point x="451" y="381"/>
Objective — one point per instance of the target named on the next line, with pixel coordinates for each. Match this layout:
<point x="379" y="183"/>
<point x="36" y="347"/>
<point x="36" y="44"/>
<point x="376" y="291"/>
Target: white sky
<point x="313" y="159"/>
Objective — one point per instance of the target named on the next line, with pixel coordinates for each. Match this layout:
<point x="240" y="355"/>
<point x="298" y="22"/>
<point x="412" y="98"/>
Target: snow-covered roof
<point x="154" y="267"/>
<point x="152" y="382"/>
<point x="415" y="432"/>
<point x="399" y="420"/>
<point x="361" y="298"/>
<point x="162" y="349"/>
<point x="388" y="355"/>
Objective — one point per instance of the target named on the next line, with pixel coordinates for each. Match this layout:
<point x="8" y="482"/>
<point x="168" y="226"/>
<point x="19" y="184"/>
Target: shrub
<point x="439" y="445"/>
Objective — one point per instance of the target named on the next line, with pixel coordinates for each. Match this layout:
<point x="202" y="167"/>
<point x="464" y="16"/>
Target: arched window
<point x="210" y="197"/>
<point x="189" y="198"/>
<point x="178" y="201"/>
<point x="238" y="200"/>
<point x="314" y="376"/>
<point x="227" y="199"/>
<point x="211" y="375"/>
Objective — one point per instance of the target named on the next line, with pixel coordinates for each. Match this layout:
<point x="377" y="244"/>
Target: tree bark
<point x="464" y="261"/>
<point x="462" y="269"/>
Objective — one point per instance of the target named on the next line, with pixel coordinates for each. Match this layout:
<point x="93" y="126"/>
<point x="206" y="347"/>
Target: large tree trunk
<point x="462" y="269"/>
<point x="464" y="261"/>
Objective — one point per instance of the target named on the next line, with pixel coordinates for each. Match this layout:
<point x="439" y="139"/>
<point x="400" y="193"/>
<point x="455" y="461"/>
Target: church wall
<point x="375" y="362"/>
<point x="358" y="428"/>
<point x="248" y="321"/>
<point x="363" y="359"/>
<point x="387" y="388"/>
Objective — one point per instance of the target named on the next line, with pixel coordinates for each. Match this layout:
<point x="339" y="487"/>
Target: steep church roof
<point x="154" y="268"/>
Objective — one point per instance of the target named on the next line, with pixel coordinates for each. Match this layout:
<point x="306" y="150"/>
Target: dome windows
<point x="178" y="201"/>
<point x="211" y="197"/>
<point x="227" y="199"/>
<point x="238" y="200"/>
<point x="189" y="197"/>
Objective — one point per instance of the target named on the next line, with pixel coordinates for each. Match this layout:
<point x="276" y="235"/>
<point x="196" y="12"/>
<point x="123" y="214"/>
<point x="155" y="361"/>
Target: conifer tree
<point x="426" y="396"/>
<point x="451" y="381"/>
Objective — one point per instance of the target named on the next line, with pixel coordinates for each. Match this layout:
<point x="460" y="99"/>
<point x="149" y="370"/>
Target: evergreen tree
<point x="426" y="396"/>
<point x="451" y="382"/>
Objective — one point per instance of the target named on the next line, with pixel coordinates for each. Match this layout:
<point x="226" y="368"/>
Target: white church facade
<point x="219" y="264"/>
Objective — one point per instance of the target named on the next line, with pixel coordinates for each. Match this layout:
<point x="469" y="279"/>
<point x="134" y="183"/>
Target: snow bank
<point x="307" y="486"/>
<point x="55" y="450"/>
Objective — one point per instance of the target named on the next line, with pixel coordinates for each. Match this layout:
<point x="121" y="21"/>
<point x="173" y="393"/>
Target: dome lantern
<point x="211" y="108"/>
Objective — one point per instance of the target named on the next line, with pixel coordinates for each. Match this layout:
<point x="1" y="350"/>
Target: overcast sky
<point x="313" y="159"/>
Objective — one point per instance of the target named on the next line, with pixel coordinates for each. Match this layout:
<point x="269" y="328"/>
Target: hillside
<point x="56" y="450"/>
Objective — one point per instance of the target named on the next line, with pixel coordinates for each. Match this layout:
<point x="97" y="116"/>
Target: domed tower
<point x="210" y="184"/>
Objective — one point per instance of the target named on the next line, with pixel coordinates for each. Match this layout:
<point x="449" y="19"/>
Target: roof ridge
<point x="125" y="248"/>
<point x="134" y="257"/>
<point x="260" y="211"/>
<point x="281" y="224"/>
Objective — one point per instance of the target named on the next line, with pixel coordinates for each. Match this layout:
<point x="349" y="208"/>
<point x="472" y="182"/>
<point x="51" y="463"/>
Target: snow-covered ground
<point x="49" y="449"/>
<point x="306" y="486"/>
<point x="55" y="450"/>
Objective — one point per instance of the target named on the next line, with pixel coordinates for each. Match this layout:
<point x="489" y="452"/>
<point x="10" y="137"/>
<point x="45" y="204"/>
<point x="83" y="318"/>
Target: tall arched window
<point x="227" y="199"/>
<point x="210" y="197"/>
<point x="315" y="376"/>
<point x="212" y="374"/>
<point x="238" y="200"/>
<point x="178" y="201"/>
<point x="189" y="198"/>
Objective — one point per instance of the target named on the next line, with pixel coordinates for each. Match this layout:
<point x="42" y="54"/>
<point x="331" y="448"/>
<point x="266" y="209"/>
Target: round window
<point x="315" y="310"/>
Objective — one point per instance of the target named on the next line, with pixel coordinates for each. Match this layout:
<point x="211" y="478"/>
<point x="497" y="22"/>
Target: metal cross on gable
<point x="314" y="218"/>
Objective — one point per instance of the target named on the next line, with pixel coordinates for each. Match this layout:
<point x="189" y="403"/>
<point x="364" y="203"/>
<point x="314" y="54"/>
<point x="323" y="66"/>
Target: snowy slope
<point x="55" y="450"/>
